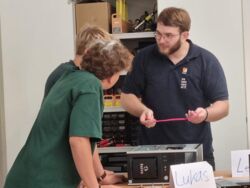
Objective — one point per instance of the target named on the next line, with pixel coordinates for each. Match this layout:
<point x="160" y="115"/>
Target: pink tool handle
<point x="171" y="119"/>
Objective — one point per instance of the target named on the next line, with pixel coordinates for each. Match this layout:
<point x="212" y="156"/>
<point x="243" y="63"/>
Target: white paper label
<point x="240" y="163"/>
<point x="192" y="175"/>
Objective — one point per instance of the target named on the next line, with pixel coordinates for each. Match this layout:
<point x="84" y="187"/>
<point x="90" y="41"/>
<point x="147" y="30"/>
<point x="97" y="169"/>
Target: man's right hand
<point x="147" y="118"/>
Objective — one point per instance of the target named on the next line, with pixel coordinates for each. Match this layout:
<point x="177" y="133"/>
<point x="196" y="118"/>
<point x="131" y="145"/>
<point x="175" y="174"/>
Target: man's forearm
<point x="132" y="104"/>
<point x="217" y="110"/>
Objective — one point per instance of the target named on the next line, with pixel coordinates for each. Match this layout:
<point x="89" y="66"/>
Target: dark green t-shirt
<point x="57" y="73"/>
<point x="73" y="107"/>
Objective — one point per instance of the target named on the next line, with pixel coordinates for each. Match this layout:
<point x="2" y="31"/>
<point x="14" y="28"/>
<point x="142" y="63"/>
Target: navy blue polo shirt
<point x="171" y="90"/>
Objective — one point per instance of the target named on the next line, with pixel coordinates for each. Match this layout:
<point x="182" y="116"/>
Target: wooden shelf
<point x="136" y="35"/>
<point x="114" y="109"/>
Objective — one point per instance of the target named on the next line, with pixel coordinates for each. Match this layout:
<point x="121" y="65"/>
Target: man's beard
<point x="173" y="49"/>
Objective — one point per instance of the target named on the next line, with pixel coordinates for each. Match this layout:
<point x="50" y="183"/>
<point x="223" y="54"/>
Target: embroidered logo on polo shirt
<point x="184" y="70"/>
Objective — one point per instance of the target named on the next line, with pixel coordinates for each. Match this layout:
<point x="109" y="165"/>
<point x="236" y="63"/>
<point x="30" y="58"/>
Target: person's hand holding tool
<point x="197" y="116"/>
<point x="147" y="118"/>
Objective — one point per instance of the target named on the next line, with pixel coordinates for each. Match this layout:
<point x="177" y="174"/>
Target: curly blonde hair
<point x="87" y="34"/>
<point x="106" y="58"/>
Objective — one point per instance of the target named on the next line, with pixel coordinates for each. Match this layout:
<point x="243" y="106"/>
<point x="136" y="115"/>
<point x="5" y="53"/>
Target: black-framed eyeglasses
<point x="164" y="36"/>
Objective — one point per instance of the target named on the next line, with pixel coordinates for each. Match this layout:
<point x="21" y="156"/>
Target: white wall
<point x="36" y="37"/>
<point x="217" y="26"/>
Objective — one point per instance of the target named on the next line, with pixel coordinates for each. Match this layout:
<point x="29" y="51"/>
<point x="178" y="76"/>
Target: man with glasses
<point x="178" y="81"/>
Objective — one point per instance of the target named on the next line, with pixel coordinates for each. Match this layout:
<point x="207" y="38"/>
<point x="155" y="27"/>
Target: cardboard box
<point x="98" y="13"/>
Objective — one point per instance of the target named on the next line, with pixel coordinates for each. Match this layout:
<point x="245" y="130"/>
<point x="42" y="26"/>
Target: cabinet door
<point x="246" y="23"/>
<point x="2" y="130"/>
<point x="217" y="26"/>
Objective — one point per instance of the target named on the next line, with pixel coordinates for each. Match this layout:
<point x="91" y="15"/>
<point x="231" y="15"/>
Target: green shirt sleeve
<point x="86" y="116"/>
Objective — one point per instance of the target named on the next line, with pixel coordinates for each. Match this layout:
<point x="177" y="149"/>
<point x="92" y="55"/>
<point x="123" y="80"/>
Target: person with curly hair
<point x="60" y="147"/>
